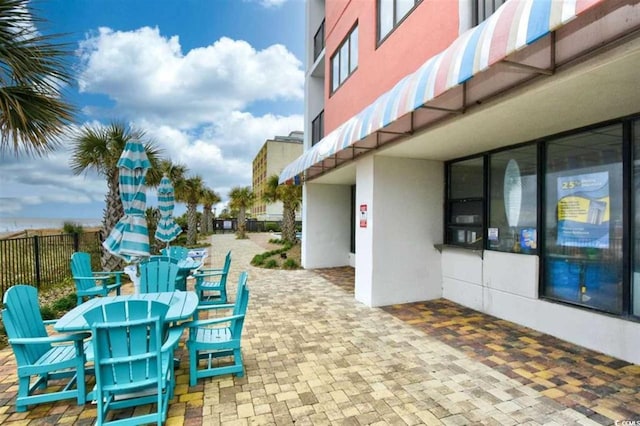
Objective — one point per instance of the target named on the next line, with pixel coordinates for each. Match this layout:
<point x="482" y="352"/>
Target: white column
<point x="326" y="223"/>
<point x="396" y="261"/>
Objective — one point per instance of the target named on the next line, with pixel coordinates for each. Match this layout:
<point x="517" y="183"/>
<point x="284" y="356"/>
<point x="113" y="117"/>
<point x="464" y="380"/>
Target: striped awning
<point x="515" y="25"/>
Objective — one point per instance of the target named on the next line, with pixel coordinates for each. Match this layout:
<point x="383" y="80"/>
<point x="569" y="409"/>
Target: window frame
<point x="629" y="207"/>
<point x="337" y="54"/>
<point x="396" y="22"/>
<point x="320" y="128"/>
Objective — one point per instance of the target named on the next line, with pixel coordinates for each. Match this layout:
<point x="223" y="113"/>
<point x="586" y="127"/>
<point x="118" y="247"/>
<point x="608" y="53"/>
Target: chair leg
<point x="237" y="357"/>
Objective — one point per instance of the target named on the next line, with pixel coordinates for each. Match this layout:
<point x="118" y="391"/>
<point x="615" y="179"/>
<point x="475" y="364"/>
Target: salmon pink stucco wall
<point x="427" y="30"/>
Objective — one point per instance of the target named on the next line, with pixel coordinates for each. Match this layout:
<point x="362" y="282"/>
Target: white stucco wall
<point x="326" y="224"/>
<point x="395" y="255"/>
<point x="506" y="285"/>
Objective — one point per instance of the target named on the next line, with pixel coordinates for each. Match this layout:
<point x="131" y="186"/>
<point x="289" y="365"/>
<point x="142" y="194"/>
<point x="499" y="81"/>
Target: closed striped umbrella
<point x="129" y="239"/>
<point x="167" y="230"/>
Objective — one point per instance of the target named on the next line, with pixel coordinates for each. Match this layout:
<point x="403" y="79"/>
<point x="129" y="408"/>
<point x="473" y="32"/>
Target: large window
<point x="513" y="198"/>
<point x="465" y="203"/>
<point x="583" y="219"/>
<point x="572" y="199"/>
<point x="635" y="288"/>
<point x="345" y="61"/>
<point x="391" y="13"/>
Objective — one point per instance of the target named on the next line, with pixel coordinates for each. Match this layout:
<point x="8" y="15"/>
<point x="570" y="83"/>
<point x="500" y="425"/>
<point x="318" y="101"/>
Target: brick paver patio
<point x="313" y="355"/>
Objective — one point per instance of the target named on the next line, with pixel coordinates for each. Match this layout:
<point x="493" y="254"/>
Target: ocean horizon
<point x="15" y="224"/>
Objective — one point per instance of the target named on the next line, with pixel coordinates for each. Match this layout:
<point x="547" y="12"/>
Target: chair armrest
<point x="209" y="307"/>
<point x="173" y="338"/>
<point x="50" y="322"/>
<point x="200" y="274"/>
<point x="58" y="338"/>
<point x="92" y="277"/>
<point x="199" y="323"/>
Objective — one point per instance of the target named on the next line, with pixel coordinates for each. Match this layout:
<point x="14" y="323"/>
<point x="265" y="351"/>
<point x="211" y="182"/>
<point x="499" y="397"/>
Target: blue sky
<point x="208" y="80"/>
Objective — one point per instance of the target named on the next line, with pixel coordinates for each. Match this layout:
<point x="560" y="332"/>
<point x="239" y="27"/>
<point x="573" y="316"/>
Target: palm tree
<point x="209" y="198"/>
<point x="190" y="191"/>
<point x="291" y="198"/>
<point x="33" y="114"/>
<point x="99" y="147"/>
<point x="241" y="198"/>
<point x="166" y="167"/>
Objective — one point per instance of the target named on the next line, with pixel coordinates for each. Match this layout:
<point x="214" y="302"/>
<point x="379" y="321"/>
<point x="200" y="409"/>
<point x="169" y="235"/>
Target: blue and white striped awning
<point x="515" y="25"/>
<point x="129" y="239"/>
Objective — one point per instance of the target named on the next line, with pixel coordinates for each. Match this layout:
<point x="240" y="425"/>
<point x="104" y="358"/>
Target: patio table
<point x="185" y="267"/>
<point x="182" y="305"/>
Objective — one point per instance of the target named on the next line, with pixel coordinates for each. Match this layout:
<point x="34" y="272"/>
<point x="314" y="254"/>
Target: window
<point x="482" y="9"/>
<point x="572" y="199"/>
<point x="583" y="219"/>
<point x="513" y="198"/>
<point x="465" y="203"/>
<point x="635" y="287"/>
<point x="318" y="41"/>
<point x="391" y="13"/>
<point x="345" y="61"/>
<point x="317" y="128"/>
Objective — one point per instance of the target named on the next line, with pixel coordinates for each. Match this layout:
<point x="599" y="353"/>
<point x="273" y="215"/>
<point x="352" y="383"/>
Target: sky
<point x="208" y="80"/>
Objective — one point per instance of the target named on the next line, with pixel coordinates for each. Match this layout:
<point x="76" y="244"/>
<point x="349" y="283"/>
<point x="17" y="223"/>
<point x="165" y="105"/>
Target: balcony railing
<point x="318" y="41"/>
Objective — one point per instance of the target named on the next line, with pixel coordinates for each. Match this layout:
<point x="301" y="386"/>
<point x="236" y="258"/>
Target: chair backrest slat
<point x="22" y="318"/>
<point x="81" y="270"/>
<point x="127" y="341"/>
<point x="158" y="275"/>
<point x="242" y="301"/>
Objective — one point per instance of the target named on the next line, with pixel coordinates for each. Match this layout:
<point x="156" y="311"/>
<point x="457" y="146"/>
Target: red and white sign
<point x="363" y="215"/>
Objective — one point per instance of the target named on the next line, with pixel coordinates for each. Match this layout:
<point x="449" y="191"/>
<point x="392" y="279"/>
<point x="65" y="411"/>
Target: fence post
<point x="36" y="255"/>
<point x="76" y="242"/>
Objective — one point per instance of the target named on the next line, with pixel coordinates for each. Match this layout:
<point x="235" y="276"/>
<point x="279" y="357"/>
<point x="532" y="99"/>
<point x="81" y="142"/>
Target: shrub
<point x="271" y="263"/>
<point x="64" y="304"/>
<point x="47" y="313"/>
<point x="290" y="264"/>
<point x="72" y="228"/>
<point x="257" y="260"/>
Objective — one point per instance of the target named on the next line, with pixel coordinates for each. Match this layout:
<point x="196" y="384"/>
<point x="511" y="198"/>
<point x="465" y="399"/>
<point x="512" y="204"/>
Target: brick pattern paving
<point x="313" y="355"/>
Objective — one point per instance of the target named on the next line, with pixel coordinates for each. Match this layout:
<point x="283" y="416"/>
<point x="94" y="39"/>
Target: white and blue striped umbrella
<point x="129" y="239"/>
<point x="167" y="230"/>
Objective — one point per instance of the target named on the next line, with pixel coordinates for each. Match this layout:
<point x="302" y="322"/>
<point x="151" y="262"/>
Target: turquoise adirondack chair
<point x="89" y="283"/>
<point x="177" y="252"/>
<point x="133" y="361"/>
<point x="40" y="356"/>
<point x="215" y="338"/>
<point x="211" y="290"/>
<point x="158" y="274"/>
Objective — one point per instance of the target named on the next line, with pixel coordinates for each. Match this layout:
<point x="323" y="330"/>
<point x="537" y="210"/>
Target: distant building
<point x="271" y="159"/>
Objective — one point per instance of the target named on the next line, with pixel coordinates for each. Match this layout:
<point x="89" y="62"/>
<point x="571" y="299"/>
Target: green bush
<point x="48" y="313"/>
<point x="271" y="263"/>
<point x="64" y="304"/>
<point x="257" y="260"/>
<point x="72" y="228"/>
<point x="290" y="264"/>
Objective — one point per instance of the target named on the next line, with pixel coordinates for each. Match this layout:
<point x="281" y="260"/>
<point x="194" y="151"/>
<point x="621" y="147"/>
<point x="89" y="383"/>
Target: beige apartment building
<point x="274" y="155"/>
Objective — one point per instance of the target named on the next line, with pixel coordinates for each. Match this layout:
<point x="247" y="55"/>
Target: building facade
<point x="489" y="155"/>
<point x="273" y="156"/>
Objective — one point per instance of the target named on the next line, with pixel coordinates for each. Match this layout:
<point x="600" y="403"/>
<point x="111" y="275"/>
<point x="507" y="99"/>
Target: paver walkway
<point x="313" y="355"/>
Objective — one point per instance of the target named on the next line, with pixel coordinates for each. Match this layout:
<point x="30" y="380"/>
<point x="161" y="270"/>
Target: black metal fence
<point x="43" y="260"/>
<point x="221" y="226"/>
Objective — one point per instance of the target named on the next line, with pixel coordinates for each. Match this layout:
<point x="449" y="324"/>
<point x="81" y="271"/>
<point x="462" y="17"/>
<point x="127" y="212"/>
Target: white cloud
<point x="196" y="105"/>
<point x="149" y="77"/>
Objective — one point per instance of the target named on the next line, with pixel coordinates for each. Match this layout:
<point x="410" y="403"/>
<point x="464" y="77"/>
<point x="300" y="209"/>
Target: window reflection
<point x="583" y="217"/>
